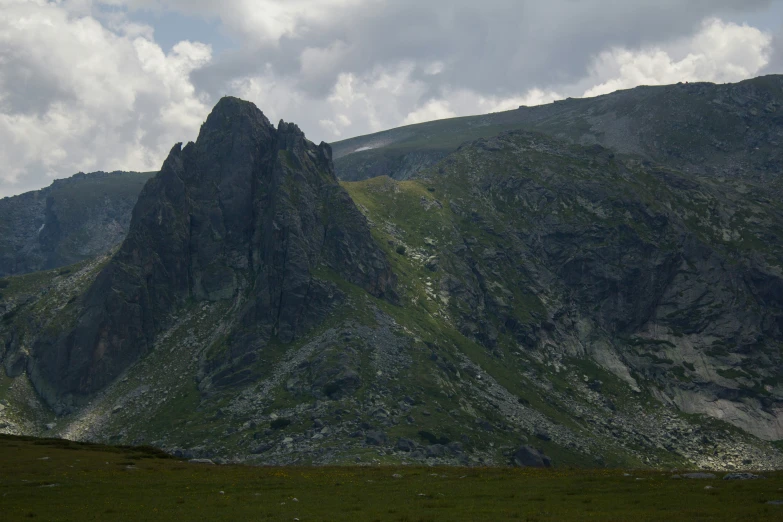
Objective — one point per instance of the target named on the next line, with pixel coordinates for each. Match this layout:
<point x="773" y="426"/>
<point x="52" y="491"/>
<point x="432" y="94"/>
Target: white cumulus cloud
<point x="259" y="21"/>
<point x="77" y="96"/>
<point x="85" y="85"/>
<point x="720" y="52"/>
<point x="432" y="110"/>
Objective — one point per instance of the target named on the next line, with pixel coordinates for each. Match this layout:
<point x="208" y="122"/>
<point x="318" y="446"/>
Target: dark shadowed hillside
<point x="71" y="220"/>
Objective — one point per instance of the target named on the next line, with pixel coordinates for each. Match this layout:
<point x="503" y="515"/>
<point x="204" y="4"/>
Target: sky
<point x="90" y="85"/>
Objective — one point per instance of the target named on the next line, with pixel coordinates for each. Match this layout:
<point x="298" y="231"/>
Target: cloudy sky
<point x="112" y="84"/>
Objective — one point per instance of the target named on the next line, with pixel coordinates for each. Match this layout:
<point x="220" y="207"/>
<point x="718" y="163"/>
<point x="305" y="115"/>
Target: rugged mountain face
<point x="731" y="130"/>
<point x="523" y="296"/>
<point x="655" y="274"/>
<point x="248" y="210"/>
<point x="72" y="220"/>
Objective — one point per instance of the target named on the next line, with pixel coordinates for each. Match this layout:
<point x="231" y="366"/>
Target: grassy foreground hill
<point x="56" y="480"/>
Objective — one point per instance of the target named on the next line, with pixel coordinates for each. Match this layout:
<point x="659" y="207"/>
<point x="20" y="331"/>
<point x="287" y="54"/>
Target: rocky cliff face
<point x="655" y="273"/>
<point x="246" y="213"/>
<point x="72" y="220"/>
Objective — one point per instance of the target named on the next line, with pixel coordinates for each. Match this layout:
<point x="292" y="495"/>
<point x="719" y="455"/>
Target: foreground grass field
<point x="61" y="480"/>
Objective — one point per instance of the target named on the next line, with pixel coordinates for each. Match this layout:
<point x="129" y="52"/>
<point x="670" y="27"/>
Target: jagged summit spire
<point x="289" y="128"/>
<point x="228" y="104"/>
<point x="232" y="115"/>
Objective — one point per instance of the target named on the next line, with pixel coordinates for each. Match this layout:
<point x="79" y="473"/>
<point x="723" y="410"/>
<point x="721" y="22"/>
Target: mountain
<point x="525" y="300"/>
<point x="731" y="130"/>
<point x="246" y="214"/>
<point x="69" y="221"/>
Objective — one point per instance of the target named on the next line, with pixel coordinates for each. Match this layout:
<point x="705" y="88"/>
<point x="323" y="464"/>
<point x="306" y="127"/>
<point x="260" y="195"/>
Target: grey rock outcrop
<point x="636" y="266"/>
<point x="406" y="445"/>
<point x="376" y="438"/>
<point x="530" y="457"/>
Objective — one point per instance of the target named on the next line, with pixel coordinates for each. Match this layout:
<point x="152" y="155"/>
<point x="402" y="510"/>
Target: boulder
<point x="263" y="448"/>
<point x="455" y="448"/>
<point x="406" y="445"/>
<point x="530" y="457"/>
<point x="543" y="436"/>
<point x="436" y="450"/>
<point x="376" y="438"/>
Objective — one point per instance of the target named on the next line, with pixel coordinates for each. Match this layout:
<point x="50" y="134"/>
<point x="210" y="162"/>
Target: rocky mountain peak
<point x="247" y="213"/>
<point x="234" y="114"/>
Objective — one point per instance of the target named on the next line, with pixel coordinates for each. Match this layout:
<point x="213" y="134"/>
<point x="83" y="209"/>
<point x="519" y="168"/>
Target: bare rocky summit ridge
<point x="724" y="131"/>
